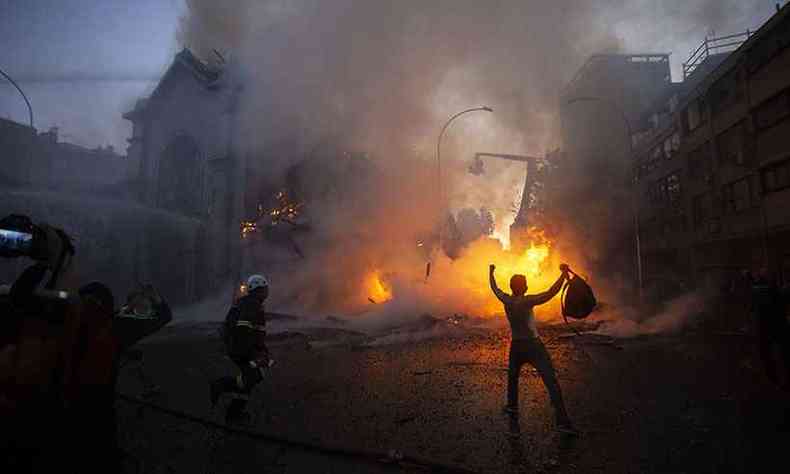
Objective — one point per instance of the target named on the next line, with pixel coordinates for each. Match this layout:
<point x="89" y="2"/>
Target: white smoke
<point x="673" y="316"/>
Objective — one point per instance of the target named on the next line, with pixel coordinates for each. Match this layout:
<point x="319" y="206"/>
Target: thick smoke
<point x="320" y="77"/>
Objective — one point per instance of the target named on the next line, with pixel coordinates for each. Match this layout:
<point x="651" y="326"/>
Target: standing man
<point x="769" y="305"/>
<point x="245" y="332"/>
<point x="526" y="346"/>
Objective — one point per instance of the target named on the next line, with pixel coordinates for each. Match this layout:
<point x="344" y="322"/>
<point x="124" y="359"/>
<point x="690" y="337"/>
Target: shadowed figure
<point x="769" y="306"/>
<point x="526" y="346"/>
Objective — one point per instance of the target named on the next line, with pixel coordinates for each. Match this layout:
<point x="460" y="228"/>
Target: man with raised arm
<point x="526" y="346"/>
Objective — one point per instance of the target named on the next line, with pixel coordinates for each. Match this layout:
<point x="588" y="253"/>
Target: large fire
<point x="462" y="285"/>
<point x="538" y="262"/>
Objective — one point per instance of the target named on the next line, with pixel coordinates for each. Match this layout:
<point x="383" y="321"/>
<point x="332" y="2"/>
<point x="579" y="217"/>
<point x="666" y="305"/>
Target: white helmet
<point x="256" y="281"/>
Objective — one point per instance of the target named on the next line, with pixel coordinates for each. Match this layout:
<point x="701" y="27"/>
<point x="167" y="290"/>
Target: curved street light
<point x="629" y="129"/>
<point x="27" y="102"/>
<point x="439" y="146"/>
<point x="29" y="113"/>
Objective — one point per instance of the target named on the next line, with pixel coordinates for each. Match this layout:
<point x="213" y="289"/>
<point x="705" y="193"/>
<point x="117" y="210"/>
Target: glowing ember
<point x="247" y="228"/>
<point x="285" y="210"/>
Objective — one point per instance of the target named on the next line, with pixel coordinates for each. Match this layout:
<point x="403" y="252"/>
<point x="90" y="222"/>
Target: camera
<point x="19" y="237"/>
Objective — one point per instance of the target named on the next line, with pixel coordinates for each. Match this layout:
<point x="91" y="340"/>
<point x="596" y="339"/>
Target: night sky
<point x="84" y="62"/>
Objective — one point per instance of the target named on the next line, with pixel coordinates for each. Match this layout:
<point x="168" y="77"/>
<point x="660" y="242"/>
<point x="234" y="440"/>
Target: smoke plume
<point x="323" y="77"/>
<point x="674" y="316"/>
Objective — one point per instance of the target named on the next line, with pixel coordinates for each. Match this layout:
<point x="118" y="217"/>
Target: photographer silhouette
<point x="37" y="329"/>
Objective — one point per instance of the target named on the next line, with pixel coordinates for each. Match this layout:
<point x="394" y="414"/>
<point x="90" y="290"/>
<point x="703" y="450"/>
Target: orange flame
<point x="377" y="290"/>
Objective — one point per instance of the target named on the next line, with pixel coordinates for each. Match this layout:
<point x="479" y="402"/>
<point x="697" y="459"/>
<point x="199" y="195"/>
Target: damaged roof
<point x="203" y="72"/>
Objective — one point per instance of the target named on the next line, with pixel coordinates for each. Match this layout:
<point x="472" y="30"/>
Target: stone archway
<point x="181" y="177"/>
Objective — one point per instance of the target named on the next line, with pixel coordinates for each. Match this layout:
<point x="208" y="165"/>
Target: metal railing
<point x="711" y="46"/>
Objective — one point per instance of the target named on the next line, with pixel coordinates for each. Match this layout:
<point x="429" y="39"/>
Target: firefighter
<point x="526" y="346"/>
<point x="244" y="333"/>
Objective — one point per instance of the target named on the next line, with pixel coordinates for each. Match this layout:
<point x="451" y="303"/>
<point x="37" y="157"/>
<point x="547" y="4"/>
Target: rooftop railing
<point x="711" y="46"/>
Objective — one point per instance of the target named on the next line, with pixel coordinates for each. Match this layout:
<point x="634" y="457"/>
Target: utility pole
<point x="521" y="221"/>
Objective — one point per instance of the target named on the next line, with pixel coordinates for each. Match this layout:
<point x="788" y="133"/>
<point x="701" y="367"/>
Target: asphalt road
<point x="694" y="403"/>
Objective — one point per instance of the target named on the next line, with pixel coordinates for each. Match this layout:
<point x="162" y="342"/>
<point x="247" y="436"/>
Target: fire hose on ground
<point x="394" y="458"/>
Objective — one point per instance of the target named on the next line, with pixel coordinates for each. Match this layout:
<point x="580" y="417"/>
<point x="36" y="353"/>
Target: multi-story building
<point x="712" y="161"/>
<point x="589" y="187"/>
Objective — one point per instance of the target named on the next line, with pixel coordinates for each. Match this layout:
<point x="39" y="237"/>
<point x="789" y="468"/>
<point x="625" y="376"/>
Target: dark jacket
<point x="245" y="327"/>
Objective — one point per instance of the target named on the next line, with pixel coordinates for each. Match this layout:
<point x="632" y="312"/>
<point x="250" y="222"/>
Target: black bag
<point x="578" y="300"/>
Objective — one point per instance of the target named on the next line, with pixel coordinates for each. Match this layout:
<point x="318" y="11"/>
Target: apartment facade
<point x="711" y="162"/>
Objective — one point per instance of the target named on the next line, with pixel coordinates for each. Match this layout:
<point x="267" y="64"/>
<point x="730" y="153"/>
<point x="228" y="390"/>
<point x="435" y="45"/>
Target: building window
<point x="776" y="177"/>
<point x="695" y="114"/>
<point x="671" y="144"/>
<point x="773" y="110"/>
<point x="706" y="210"/>
<point x="736" y="196"/>
<point x="656" y="155"/>
<point x="726" y="92"/>
<point x="674" y="191"/>
<point x="731" y="145"/>
<point x="700" y="163"/>
<point x="703" y="209"/>
<point x="666" y="191"/>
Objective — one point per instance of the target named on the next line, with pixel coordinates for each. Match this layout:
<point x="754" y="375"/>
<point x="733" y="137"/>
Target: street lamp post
<point x="29" y="112"/>
<point x="439" y="149"/>
<point x="27" y="102"/>
<point x="629" y="130"/>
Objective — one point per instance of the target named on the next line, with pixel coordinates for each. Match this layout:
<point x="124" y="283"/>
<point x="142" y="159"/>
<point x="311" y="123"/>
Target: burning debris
<point x="284" y="210"/>
<point x="248" y="228"/>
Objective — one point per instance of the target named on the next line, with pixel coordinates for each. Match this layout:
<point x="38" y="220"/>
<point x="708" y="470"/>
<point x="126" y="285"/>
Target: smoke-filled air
<point x="359" y="90"/>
